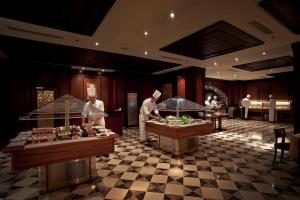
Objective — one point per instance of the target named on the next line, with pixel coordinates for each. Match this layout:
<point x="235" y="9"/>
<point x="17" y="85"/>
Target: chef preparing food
<point x="148" y="106"/>
<point x="92" y="110"/>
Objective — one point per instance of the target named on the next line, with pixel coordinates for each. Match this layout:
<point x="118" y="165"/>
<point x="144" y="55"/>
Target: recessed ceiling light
<point x="264" y="53"/>
<point x="235" y="75"/>
<point x="215" y="63"/>
<point x="236" y="59"/>
<point x="82" y="68"/>
<point x="218" y="73"/>
<point x="97" y="43"/>
<point x="146" y="33"/>
<point x="103" y="70"/>
<point x="172" y="14"/>
<point x="146" y="53"/>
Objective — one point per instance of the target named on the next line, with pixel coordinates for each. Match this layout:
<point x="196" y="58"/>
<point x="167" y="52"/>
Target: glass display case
<point x="65" y="155"/>
<point x="179" y="105"/>
<point x="66" y="107"/>
<point x="264" y="105"/>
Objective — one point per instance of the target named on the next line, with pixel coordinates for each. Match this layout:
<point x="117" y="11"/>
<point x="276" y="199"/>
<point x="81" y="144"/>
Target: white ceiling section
<point x="125" y="23"/>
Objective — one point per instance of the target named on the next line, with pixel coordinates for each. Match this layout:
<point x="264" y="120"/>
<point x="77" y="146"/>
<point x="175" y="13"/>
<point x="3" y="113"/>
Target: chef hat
<point x="248" y="96"/>
<point x="270" y="96"/>
<point x="91" y="92"/>
<point x="156" y="94"/>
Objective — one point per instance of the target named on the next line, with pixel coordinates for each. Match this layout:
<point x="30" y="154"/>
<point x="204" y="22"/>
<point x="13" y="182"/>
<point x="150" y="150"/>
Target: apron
<point x="272" y="110"/>
<point x="143" y="133"/>
<point x="246" y="112"/>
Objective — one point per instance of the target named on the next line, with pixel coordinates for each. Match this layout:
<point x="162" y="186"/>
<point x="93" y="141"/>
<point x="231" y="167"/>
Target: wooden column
<point x="195" y="84"/>
<point x="296" y="95"/>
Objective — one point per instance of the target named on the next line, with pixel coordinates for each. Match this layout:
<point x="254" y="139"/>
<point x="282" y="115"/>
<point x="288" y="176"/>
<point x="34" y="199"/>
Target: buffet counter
<point x="61" y="162"/>
<point x="179" y="139"/>
<point x="259" y="109"/>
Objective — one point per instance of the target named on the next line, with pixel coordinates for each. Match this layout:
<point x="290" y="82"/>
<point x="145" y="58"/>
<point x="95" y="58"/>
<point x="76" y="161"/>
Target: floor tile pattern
<point x="233" y="164"/>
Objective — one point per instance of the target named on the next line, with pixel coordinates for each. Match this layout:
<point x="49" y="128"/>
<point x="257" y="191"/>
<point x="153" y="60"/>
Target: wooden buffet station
<point x="179" y="139"/>
<point x="60" y="162"/>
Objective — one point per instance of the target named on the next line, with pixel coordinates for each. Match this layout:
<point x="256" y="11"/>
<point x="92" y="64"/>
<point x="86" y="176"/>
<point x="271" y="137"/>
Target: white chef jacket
<point x="145" y="111"/>
<point x="272" y="106"/>
<point x="207" y="103"/>
<point x="245" y="103"/>
<point x="93" y="111"/>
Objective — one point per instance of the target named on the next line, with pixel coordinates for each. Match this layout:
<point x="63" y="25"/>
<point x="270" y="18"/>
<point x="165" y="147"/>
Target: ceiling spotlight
<point x="263" y="53"/>
<point x="82" y="68"/>
<point x="146" y="53"/>
<point x="215" y="63"/>
<point x="235" y="75"/>
<point x="97" y="43"/>
<point x="103" y="70"/>
<point x="172" y="14"/>
<point x="236" y="59"/>
<point x="145" y="33"/>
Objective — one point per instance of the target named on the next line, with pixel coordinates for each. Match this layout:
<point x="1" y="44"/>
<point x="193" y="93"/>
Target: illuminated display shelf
<point x="284" y="105"/>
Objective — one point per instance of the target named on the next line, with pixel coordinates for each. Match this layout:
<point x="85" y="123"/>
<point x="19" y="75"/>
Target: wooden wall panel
<point x="181" y="86"/>
<point x="120" y="82"/>
<point x="63" y="80"/>
<point x="77" y="86"/>
<point x="148" y="88"/>
<point x="106" y="92"/>
<point x="280" y="89"/>
<point x="199" y="88"/>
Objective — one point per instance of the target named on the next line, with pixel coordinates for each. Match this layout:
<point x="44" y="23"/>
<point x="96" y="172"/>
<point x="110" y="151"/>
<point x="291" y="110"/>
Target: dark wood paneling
<point x="236" y="90"/>
<point x="215" y="40"/>
<point x="181" y="86"/>
<point x="106" y="92"/>
<point x="75" y="16"/>
<point x="77" y="86"/>
<point x="41" y="52"/>
<point x="280" y="89"/>
<point x="19" y="85"/>
<point x="286" y="11"/>
<point x="267" y="64"/>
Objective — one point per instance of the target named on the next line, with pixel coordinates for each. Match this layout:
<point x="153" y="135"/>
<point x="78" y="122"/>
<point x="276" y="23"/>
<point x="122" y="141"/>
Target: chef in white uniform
<point x="207" y="102"/>
<point x="272" y="108"/>
<point x="92" y="109"/>
<point x="245" y="106"/>
<point x="148" y="106"/>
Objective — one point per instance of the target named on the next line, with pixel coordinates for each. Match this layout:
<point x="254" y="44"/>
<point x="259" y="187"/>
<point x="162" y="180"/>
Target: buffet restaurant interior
<point x="136" y="99"/>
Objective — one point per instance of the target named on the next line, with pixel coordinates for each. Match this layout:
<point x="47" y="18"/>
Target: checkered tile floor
<point x="234" y="164"/>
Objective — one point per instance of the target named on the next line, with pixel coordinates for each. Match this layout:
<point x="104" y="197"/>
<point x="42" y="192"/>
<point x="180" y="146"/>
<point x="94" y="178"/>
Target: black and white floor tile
<point x="233" y="164"/>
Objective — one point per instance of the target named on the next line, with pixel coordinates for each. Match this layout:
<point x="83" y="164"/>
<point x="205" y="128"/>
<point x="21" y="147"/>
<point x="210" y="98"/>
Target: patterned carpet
<point x="234" y="164"/>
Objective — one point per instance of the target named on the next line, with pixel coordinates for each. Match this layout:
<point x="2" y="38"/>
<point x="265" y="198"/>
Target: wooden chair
<point x="280" y="133"/>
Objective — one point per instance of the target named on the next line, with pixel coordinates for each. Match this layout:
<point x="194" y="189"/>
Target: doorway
<point x="132" y="108"/>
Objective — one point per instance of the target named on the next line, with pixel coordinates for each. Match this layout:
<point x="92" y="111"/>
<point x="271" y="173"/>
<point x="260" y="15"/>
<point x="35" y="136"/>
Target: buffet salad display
<point x="48" y="134"/>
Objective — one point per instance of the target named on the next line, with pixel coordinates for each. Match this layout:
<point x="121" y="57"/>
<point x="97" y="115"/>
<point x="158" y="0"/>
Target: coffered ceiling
<point x="121" y="31"/>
